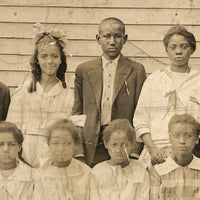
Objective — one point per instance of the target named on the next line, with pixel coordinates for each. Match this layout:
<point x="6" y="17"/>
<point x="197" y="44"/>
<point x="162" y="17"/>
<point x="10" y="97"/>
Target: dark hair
<point x="186" y="119"/>
<point x="122" y="125"/>
<point x="65" y="125"/>
<point x="180" y="30"/>
<point x="17" y="134"/>
<point x="112" y="19"/>
<point x="36" y="70"/>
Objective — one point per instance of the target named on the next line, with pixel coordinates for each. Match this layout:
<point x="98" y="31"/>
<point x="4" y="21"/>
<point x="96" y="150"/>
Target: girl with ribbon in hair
<point x="37" y="104"/>
<point x="168" y="91"/>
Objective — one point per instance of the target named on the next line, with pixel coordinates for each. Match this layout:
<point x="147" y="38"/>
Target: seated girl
<point x="38" y="104"/>
<point x="119" y="178"/>
<point x="179" y="176"/>
<point x="62" y="177"/>
<point x="15" y="176"/>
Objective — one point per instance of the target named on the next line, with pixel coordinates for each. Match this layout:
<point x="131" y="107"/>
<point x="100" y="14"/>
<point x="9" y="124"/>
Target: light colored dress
<point x="170" y="181"/>
<point x="19" y="185"/>
<point x="161" y="97"/>
<point x="34" y="112"/>
<point x="68" y="183"/>
<point x="117" y="183"/>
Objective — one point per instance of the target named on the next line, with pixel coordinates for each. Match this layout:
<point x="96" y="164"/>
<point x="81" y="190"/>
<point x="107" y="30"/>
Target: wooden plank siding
<point x="146" y="24"/>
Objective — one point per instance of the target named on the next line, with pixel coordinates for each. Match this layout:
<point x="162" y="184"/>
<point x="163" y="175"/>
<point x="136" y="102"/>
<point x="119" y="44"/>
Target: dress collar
<point x="22" y="173"/>
<point x="169" y="165"/>
<point x="54" y="91"/>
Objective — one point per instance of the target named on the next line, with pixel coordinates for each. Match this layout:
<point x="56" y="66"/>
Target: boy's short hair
<point x="65" y="125"/>
<point x="6" y="126"/>
<point x="180" y="30"/>
<point x="116" y="125"/>
<point x="113" y="19"/>
<point x="186" y="119"/>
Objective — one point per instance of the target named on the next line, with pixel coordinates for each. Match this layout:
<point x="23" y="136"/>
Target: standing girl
<point x="62" y="177"/>
<point x="38" y="104"/>
<point x="174" y="89"/>
<point x="15" y="176"/>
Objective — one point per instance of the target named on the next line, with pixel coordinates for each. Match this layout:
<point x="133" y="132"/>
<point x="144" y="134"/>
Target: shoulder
<point x="88" y="64"/>
<point x="100" y="169"/>
<point x="23" y="172"/>
<point x="77" y="166"/>
<point x="139" y="168"/>
<point x="3" y="86"/>
<point x="133" y="64"/>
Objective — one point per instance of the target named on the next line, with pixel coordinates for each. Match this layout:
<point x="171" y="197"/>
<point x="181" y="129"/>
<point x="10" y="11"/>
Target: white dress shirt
<point x="109" y="69"/>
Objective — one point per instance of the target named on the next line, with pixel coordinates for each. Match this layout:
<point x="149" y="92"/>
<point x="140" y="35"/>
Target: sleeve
<point x="15" y="113"/>
<point x="155" y="184"/>
<point x="6" y="102"/>
<point x="141" y="77"/>
<point x="143" y="188"/>
<point x="141" y="120"/>
<point x="78" y="94"/>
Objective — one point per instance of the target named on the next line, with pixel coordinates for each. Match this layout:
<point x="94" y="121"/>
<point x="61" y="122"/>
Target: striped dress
<point x="170" y="181"/>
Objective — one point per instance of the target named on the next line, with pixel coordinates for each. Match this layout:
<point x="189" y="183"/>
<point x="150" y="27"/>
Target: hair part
<point x="185" y="119"/>
<point x="180" y="30"/>
<point x="65" y="125"/>
<point x="119" y="125"/>
<point x="47" y="38"/>
<point x="112" y="19"/>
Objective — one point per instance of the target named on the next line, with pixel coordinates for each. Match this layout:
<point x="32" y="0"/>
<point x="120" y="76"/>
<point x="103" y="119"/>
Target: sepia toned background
<point x="146" y="21"/>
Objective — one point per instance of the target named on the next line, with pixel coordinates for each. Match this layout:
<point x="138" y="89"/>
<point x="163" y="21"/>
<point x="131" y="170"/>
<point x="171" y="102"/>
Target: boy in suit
<point x="106" y="88"/>
<point x="4" y="101"/>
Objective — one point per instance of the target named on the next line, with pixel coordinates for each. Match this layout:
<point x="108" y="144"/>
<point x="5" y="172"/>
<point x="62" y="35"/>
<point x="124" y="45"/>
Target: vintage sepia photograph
<point x="99" y="99"/>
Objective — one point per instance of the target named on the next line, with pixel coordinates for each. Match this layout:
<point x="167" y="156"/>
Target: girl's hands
<point x="157" y="156"/>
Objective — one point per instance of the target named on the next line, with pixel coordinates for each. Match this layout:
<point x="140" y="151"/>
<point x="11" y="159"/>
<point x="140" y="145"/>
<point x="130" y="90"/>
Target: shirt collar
<point x="22" y="173"/>
<point x="105" y="61"/>
<point x="169" y="165"/>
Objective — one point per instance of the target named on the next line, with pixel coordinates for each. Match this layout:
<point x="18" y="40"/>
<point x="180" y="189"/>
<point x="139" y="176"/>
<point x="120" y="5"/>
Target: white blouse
<point x="71" y="182"/>
<point x="19" y="185"/>
<point x="117" y="183"/>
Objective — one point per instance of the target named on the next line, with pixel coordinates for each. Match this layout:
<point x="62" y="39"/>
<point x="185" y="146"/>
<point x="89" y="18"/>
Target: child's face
<point x="119" y="147"/>
<point x="49" y="58"/>
<point x="111" y="38"/>
<point x="61" y="145"/>
<point x="9" y="148"/>
<point x="183" y="138"/>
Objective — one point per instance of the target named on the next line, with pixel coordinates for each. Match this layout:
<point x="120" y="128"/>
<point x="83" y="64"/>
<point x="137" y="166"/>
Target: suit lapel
<point x="122" y="73"/>
<point x="95" y="77"/>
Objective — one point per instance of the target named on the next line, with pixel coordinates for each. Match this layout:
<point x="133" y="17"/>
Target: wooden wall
<point x="146" y="21"/>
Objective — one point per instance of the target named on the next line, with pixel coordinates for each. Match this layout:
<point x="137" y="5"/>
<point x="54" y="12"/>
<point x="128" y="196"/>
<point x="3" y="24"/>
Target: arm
<point x="156" y="155"/>
<point x="141" y="76"/>
<point x="78" y="95"/>
<point x="6" y="102"/>
<point x="15" y="112"/>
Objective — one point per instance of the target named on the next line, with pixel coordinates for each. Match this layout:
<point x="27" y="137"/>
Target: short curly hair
<point x="116" y="125"/>
<point x="186" y="119"/>
<point x="65" y="125"/>
<point x="180" y="30"/>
